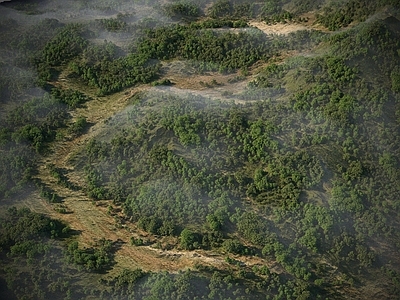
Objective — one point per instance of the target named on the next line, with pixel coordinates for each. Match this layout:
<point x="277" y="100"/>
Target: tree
<point x="187" y="239"/>
<point x="395" y="77"/>
<point x="221" y="8"/>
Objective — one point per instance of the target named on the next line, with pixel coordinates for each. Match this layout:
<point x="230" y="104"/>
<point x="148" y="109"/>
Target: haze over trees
<point x="267" y="165"/>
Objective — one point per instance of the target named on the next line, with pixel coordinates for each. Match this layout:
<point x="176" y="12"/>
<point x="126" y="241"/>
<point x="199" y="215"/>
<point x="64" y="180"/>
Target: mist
<point x="271" y="175"/>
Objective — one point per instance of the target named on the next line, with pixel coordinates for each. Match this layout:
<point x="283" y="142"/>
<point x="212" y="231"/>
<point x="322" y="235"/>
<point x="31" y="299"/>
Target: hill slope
<point x="200" y="155"/>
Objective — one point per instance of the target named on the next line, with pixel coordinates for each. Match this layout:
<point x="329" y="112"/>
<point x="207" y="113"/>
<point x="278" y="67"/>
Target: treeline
<point x="221" y="50"/>
<point x="112" y="24"/>
<point x="102" y="67"/>
<point x="227" y="50"/>
<point x="99" y="66"/>
<point x="270" y="11"/>
<point x="182" y="9"/>
<point x="114" y="75"/>
<point x="340" y="14"/>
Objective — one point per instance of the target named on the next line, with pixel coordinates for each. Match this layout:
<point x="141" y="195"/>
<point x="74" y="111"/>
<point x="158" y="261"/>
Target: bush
<point x="188" y="239"/>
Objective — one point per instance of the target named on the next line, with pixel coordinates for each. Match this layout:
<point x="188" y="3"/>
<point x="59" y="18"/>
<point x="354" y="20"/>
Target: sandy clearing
<point x="279" y="28"/>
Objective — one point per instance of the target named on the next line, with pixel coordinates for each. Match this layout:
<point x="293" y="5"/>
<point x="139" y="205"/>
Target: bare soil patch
<point x="279" y="28"/>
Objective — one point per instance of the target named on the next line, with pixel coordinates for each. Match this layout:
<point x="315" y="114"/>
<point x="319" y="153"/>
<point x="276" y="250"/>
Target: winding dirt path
<point x="279" y="28"/>
<point x="101" y="219"/>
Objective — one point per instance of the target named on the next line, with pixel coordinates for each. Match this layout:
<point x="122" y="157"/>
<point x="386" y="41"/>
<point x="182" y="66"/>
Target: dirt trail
<point x="91" y="221"/>
<point x="309" y="22"/>
<point x="279" y="28"/>
<point x="94" y="221"/>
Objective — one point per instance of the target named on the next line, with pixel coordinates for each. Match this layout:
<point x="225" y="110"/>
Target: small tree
<point x="187" y="239"/>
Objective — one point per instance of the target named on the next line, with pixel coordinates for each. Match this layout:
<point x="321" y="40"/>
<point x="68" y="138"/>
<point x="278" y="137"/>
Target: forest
<point x="191" y="153"/>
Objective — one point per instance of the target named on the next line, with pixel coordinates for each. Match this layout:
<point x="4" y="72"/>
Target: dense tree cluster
<point x="36" y="121"/>
<point x="341" y="14"/>
<point x="114" y="75"/>
<point x="225" y="49"/>
<point x="112" y="24"/>
<point x="221" y="8"/>
<point x="70" y="97"/>
<point x="18" y="165"/>
<point x="96" y="259"/>
<point x="21" y="227"/>
<point x="64" y="46"/>
<point x="181" y="9"/>
<point x="33" y="263"/>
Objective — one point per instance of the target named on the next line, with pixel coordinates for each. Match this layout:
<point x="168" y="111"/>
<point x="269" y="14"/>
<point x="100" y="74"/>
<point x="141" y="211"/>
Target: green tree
<point x="395" y="77"/>
<point x="187" y="239"/>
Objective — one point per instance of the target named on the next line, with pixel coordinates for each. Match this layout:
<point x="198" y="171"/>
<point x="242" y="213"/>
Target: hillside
<point x="200" y="150"/>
